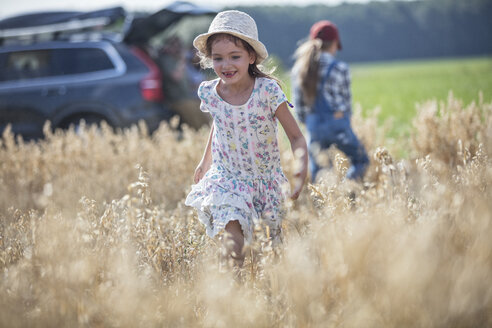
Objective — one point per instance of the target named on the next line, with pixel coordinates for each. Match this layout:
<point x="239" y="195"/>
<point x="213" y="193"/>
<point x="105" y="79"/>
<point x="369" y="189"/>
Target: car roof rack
<point x="54" y="24"/>
<point x="60" y="25"/>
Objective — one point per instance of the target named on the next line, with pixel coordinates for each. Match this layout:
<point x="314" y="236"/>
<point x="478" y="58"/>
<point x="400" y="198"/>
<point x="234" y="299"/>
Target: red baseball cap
<point x="326" y="31"/>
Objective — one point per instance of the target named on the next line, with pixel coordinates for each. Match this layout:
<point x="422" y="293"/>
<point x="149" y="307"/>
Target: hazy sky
<point x="14" y="7"/>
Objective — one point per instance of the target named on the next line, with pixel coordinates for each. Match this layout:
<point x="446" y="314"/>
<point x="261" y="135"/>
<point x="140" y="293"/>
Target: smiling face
<point x="231" y="60"/>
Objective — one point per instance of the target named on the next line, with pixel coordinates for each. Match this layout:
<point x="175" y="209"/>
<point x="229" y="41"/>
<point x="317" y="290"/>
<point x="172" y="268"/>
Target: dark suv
<point x="62" y="71"/>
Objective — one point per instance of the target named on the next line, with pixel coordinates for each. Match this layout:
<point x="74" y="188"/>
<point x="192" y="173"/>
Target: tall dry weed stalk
<point x="450" y="132"/>
<point x="94" y="233"/>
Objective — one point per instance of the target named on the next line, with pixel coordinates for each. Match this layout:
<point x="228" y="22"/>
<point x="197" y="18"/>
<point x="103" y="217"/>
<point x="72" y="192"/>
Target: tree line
<point x="378" y="31"/>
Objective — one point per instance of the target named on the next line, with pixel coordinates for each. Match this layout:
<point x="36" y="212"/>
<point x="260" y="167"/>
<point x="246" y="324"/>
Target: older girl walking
<point x="322" y="99"/>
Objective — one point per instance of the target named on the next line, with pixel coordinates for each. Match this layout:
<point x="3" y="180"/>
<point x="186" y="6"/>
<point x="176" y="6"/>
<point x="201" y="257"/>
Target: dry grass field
<point x="94" y="233"/>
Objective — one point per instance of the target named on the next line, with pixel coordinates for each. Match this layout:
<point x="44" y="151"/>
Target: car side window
<point x="32" y="64"/>
<point x="79" y="61"/>
<point x="22" y="65"/>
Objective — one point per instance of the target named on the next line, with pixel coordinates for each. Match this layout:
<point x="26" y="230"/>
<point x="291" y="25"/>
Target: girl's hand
<point x="200" y="171"/>
<point x="198" y="174"/>
<point x="206" y="161"/>
<point x="297" y="189"/>
<point x="298" y="145"/>
<point x="338" y="115"/>
<point x="298" y="184"/>
<point x="300" y="174"/>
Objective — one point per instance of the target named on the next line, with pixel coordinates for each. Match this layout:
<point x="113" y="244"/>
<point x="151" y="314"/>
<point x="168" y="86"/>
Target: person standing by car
<point x="183" y="100"/>
<point x="322" y="98"/>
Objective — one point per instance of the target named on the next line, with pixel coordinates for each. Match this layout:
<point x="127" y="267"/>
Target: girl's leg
<point x="234" y="242"/>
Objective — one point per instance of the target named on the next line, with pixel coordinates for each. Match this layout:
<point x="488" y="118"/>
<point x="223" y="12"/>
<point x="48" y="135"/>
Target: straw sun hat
<point x="235" y="23"/>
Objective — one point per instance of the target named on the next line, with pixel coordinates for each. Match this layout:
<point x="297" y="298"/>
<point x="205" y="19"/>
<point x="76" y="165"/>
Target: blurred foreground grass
<point x="94" y="233"/>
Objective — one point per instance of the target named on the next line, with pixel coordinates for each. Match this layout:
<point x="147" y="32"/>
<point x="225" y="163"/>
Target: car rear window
<point x="30" y="64"/>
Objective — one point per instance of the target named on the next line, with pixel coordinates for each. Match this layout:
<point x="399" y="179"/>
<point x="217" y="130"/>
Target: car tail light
<point x="151" y="84"/>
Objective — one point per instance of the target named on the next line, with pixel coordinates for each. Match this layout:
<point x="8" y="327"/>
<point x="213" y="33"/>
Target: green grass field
<point x="398" y="86"/>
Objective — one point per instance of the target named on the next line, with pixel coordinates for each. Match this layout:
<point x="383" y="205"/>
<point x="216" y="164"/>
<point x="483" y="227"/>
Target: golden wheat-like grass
<point x="94" y="233"/>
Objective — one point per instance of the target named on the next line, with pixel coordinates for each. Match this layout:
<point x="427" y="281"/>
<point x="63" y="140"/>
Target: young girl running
<point x="239" y="181"/>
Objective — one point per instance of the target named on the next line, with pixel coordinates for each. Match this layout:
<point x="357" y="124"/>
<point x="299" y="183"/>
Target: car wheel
<point x="83" y="121"/>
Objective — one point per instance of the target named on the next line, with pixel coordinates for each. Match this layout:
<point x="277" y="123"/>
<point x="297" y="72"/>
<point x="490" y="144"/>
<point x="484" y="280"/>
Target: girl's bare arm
<point x="298" y="145"/>
<point x="206" y="161"/>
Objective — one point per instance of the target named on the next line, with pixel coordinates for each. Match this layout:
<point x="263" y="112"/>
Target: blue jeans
<point x="326" y="131"/>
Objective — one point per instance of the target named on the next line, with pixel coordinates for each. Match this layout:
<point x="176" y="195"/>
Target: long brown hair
<point x="254" y="69"/>
<point x="307" y="67"/>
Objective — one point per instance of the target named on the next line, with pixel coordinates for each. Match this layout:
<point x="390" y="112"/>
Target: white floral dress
<point x="245" y="181"/>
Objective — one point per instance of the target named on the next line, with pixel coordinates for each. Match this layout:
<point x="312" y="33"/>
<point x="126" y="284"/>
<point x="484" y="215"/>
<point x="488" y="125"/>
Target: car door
<point x="86" y="71"/>
<point x="23" y="87"/>
<point x="61" y="80"/>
